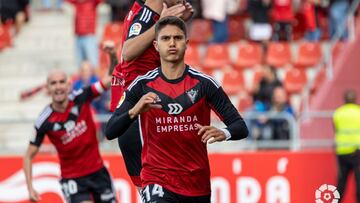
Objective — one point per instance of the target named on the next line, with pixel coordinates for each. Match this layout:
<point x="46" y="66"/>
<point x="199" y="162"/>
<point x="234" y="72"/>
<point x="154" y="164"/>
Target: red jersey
<point x="173" y="154"/>
<point x="139" y="19"/>
<point x="282" y="11"/>
<point x="85" y="16"/>
<point x="73" y="133"/>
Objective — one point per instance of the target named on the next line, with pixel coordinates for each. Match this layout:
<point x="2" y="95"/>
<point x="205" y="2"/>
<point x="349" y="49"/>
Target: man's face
<point x="170" y="3"/>
<point x="58" y="87"/>
<point x="171" y="44"/>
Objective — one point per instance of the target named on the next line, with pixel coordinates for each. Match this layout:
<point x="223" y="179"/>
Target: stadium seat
<point x="294" y="80"/>
<point x="200" y="31"/>
<point x="217" y="57"/>
<point x="5" y="36"/>
<point x="233" y="81"/>
<point x="245" y="102"/>
<point x="192" y="56"/>
<point x="278" y="54"/>
<point x="249" y="55"/>
<point x="236" y="28"/>
<point x="309" y="54"/>
<point x="113" y="31"/>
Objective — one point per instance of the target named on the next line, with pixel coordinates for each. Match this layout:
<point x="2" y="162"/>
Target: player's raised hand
<point x="188" y="12"/>
<point x="33" y="195"/>
<point x="108" y="46"/>
<point x="146" y="102"/>
<point x="210" y="134"/>
<point x="176" y="10"/>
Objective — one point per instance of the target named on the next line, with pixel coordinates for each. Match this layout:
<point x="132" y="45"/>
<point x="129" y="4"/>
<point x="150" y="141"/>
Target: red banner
<point x="271" y="177"/>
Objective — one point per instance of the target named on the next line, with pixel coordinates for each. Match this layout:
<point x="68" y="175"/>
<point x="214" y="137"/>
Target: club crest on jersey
<point x="122" y="99"/>
<point x="192" y="95"/>
<point x="135" y="29"/>
<point x="175" y="108"/>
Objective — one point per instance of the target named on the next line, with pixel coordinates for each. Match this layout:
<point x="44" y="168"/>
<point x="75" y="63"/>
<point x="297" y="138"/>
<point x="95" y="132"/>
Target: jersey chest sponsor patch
<point x="135" y="29"/>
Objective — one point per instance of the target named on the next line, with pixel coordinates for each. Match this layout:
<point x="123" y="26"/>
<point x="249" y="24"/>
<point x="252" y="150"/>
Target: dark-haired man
<point x="173" y="104"/>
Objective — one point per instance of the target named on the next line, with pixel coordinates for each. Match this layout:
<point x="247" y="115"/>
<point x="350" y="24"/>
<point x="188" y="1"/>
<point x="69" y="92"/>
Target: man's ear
<point x="156" y="45"/>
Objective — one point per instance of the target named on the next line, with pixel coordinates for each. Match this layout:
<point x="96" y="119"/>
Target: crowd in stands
<point x="264" y="25"/>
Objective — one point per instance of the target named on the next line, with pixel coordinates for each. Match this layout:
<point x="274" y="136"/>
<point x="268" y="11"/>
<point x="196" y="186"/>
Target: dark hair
<point x="350" y="96"/>
<point x="170" y="20"/>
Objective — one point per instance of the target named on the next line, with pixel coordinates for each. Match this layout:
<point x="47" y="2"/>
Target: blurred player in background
<point x="138" y="57"/>
<point x="70" y="126"/>
<point x="173" y="103"/>
<point x="347" y="137"/>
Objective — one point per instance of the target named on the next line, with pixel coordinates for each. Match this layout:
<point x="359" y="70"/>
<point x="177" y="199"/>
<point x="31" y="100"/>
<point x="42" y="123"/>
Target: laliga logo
<point x="327" y="194"/>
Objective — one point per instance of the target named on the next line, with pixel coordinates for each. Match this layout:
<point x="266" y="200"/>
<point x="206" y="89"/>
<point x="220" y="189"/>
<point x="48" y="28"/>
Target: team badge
<point x="192" y="95"/>
<point x="135" y="29"/>
<point x="122" y="99"/>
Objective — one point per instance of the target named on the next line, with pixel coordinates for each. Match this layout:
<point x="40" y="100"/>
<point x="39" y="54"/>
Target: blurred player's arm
<point x="27" y="165"/>
<point x="139" y="40"/>
<point x="109" y="48"/>
<point x="127" y="112"/>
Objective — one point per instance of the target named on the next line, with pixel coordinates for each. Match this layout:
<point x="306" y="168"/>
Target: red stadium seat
<point x="245" y="102"/>
<point x="5" y="36"/>
<point x="278" y="54"/>
<point x="192" y="56"/>
<point x="217" y="57"/>
<point x="294" y="80"/>
<point x="256" y="78"/>
<point x="309" y="54"/>
<point x="200" y="31"/>
<point x="233" y="81"/>
<point x="113" y="32"/>
<point x="249" y="55"/>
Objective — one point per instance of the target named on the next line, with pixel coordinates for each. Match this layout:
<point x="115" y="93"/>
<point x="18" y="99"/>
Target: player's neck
<point x="172" y="71"/>
<point x="60" y="106"/>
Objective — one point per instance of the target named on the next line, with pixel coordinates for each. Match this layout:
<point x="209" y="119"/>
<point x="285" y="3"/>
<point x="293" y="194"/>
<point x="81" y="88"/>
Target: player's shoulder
<point x="202" y="77"/>
<point x="150" y="75"/>
<point x="44" y="115"/>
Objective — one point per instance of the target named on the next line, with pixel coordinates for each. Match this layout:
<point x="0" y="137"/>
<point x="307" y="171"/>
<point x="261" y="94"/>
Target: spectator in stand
<point x="263" y="92"/>
<point x="310" y="10"/>
<point x="85" y="30"/>
<point x="338" y="15"/>
<point x="217" y="11"/>
<point x="260" y="29"/>
<point x="88" y="77"/>
<point x="280" y="106"/>
<point x="119" y="9"/>
<point x="13" y="12"/>
<point x="262" y="95"/>
<point x="283" y="16"/>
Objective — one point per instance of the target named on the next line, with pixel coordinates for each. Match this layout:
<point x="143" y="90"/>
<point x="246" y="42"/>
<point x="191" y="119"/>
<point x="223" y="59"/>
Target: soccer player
<point x="69" y="125"/>
<point x="137" y="58"/>
<point x="173" y="104"/>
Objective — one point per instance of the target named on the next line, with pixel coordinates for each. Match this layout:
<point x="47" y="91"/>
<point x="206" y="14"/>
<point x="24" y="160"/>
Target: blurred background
<point x="284" y="63"/>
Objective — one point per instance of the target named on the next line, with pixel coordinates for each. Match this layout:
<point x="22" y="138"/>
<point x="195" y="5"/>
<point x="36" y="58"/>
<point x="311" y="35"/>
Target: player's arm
<point x="142" y="30"/>
<point x="236" y="128"/>
<point x="31" y="152"/>
<point x="128" y="112"/>
<point x="109" y="48"/>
